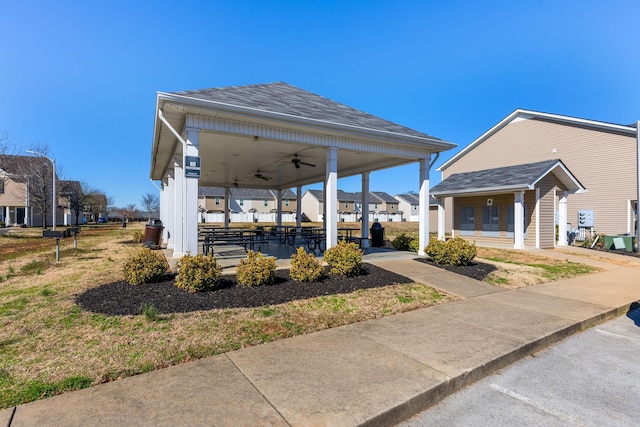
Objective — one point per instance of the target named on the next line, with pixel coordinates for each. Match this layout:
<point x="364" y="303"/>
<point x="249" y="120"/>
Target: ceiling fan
<point x="297" y="162"/>
<point x="260" y="176"/>
<point x="235" y="183"/>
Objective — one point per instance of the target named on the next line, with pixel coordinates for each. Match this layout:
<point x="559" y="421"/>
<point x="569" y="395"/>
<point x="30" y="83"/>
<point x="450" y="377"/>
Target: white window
<point x="217" y="201"/>
<point x="511" y="220"/>
<point x="241" y="202"/>
<point x="266" y="203"/>
<point x="286" y="203"/>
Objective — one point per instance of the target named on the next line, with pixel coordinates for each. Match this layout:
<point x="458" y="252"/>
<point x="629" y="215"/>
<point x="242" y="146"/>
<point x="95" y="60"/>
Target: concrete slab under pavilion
<point x="273" y="136"/>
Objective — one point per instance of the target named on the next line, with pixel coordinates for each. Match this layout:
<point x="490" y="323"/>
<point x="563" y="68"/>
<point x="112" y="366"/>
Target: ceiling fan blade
<point x="307" y="164"/>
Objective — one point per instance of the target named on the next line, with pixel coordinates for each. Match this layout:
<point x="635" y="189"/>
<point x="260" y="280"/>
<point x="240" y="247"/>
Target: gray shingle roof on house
<point x="284" y="98"/>
<point x="409" y="198"/>
<point x="385" y="197"/>
<point x="504" y="178"/>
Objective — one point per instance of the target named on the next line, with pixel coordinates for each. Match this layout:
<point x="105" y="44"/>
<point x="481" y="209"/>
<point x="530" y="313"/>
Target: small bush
<point x="138" y="237"/>
<point x="305" y="267"/>
<point x="150" y="312"/>
<point x="405" y="243"/>
<point x="198" y="273"/>
<point x="144" y="266"/>
<point x="456" y="251"/>
<point x="344" y="259"/>
<point x="256" y="270"/>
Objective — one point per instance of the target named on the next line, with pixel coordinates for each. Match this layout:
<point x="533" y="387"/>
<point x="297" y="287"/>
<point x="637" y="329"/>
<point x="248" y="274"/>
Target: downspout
<point x="435" y="159"/>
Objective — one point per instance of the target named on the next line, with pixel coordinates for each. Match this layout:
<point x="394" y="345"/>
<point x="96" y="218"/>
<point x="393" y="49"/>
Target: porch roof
<point x="507" y="179"/>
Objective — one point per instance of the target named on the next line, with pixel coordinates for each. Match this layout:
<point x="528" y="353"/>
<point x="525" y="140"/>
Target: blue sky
<point x="81" y="77"/>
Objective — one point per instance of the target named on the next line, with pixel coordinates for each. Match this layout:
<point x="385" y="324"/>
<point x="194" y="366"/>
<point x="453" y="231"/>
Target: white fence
<point x="248" y="217"/>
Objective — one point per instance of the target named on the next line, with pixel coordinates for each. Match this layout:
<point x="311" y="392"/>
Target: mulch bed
<point x="121" y="298"/>
<point x="477" y="270"/>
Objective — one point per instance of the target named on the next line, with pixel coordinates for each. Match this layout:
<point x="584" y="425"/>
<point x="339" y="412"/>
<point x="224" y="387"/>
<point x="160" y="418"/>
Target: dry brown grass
<point x="45" y="338"/>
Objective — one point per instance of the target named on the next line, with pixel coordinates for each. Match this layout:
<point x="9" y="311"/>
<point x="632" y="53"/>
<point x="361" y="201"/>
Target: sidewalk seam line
<point x="258" y="390"/>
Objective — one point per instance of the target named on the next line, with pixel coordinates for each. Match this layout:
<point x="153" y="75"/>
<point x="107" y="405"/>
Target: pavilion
<point x="273" y="136"/>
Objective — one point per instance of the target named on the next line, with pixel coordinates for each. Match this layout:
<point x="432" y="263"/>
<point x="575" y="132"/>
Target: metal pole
<point x="54" y="201"/>
<point x="637" y="233"/>
<point x="57" y="249"/>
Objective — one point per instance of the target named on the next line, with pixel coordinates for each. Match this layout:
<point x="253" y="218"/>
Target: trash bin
<point x="152" y="234"/>
<point x="377" y="235"/>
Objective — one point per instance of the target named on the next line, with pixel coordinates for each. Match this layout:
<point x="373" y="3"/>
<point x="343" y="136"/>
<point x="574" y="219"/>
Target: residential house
<point x="408" y="205"/>
<point x="382" y="207"/>
<point x="482" y="185"/>
<point x="25" y="180"/>
<point x="245" y="204"/>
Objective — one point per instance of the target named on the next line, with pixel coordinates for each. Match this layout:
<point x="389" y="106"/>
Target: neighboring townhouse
<point x="537" y="166"/>
<point x="348" y="206"/>
<point x="19" y="193"/>
<point x="408" y="205"/>
<point x="382" y="207"/>
<point x="245" y="204"/>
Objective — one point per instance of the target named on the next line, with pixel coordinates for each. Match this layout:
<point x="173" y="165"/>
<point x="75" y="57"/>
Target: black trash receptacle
<point x="377" y="235"/>
<point x="153" y="233"/>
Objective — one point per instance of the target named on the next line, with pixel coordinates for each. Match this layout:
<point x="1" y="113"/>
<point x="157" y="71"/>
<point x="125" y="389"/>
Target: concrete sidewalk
<point x="377" y="372"/>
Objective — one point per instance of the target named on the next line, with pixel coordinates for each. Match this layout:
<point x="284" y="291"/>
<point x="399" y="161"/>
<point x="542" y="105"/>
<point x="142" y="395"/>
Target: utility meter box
<point x="585" y="218"/>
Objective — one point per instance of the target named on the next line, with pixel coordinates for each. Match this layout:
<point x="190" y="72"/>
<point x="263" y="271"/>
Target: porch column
<point x="441" y="218"/>
<point x="331" y="197"/>
<point x="299" y="207"/>
<point x="365" y="210"/>
<point x="163" y="209"/>
<point x="518" y="220"/>
<point x="191" y="213"/>
<point x="279" y="209"/>
<point x="562" y="219"/>
<point x="178" y="203"/>
<point x="227" y="205"/>
<point x="423" y="229"/>
<point x="170" y="222"/>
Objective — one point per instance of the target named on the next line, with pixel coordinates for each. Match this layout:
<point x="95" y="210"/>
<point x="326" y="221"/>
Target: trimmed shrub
<point x="144" y="266"/>
<point x="138" y="237"/>
<point x="256" y="270"/>
<point x="198" y="273"/>
<point x="456" y="251"/>
<point x="405" y="243"/>
<point x="344" y="259"/>
<point x="305" y="267"/>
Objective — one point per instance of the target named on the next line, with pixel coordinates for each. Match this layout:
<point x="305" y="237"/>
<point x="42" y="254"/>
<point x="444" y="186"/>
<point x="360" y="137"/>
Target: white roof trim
<point x="521" y="114"/>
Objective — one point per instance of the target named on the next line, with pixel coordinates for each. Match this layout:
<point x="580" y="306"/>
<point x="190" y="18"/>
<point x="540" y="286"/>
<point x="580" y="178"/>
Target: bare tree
<point x="37" y="171"/>
<point x="96" y="202"/>
<point x="75" y="194"/>
<point x="150" y="202"/>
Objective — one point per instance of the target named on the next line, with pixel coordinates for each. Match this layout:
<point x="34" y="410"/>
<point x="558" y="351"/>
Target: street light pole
<point x="54" y="201"/>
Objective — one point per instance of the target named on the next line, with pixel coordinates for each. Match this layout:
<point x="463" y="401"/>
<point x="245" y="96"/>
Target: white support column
<point x="7" y="216"/>
<point x="331" y="197"/>
<point x="227" y="205"/>
<point x="299" y="207"/>
<point x="178" y="207"/>
<point x="170" y="224"/>
<point x="518" y="220"/>
<point x="562" y="219"/>
<point x="423" y="228"/>
<point x="163" y="209"/>
<point x="279" y="209"/>
<point x="441" y="218"/>
<point x="191" y="213"/>
<point x="365" y="210"/>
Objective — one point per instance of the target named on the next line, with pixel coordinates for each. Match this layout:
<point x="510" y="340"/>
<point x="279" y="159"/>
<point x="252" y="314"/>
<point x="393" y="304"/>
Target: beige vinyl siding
<point x="604" y="162"/>
<point x="15" y="193"/>
<point x="502" y="201"/>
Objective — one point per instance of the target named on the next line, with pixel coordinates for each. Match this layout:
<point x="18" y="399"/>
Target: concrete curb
<point x="432" y="396"/>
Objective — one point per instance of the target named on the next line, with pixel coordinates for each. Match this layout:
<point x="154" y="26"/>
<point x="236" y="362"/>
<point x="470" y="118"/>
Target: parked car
<point x="102" y="220"/>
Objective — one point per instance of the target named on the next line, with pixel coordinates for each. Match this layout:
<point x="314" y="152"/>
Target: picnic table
<point x="246" y="238"/>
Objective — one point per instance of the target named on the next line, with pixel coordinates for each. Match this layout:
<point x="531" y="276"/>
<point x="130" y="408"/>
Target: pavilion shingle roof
<point x="284" y="98"/>
<point x="519" y="176"/>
